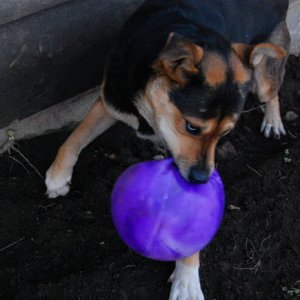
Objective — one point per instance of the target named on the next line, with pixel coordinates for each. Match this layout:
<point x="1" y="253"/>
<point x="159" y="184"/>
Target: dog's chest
<point x="143" y="123"/>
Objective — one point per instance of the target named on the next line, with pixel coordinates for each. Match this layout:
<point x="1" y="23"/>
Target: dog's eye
<point x="191" y="129"/>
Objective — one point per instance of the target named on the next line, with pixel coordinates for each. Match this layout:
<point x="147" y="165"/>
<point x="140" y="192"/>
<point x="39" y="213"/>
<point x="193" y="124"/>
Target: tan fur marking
<point x="179" y="57"/>
<point x="210" y="141"/>
<point x="265" y="89"/>
<point x="190" y="149"/>
<point x="226" y="124"/>
<point x="193" y="260"/>
<point x="242" y="51"/>
<point x="169" y="123"/>
<point x="214" y="68"/>
<point x="240" y="73"/>
<point x="198" y="54"/>
<point x="209" y="151"/>
<point x="157" y="93"/>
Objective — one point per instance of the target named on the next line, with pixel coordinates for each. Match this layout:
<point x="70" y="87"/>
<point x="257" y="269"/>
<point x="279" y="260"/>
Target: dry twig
<point x="17" y="161"/>
<point x="253" y="108"/>
<point x="255" y="268"/>
<point x="252" y="169"/>
<point x="10" y="145"/>
<point x="26" y="159"/>
<point x="12" y="244"/>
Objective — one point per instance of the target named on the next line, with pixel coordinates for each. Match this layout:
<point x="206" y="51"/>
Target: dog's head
<point x="195" y="97"/>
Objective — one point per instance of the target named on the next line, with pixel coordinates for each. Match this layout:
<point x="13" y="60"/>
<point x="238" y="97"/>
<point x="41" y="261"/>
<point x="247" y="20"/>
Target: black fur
<point x="205" y="102"/>
<point x="212" y="24"/>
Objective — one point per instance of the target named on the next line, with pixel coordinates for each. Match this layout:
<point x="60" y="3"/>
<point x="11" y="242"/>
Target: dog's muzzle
<point x="198" y="175"/>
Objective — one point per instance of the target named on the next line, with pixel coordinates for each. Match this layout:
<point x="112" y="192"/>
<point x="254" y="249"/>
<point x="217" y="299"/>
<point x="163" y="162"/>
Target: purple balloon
<point x="160" y="215"/>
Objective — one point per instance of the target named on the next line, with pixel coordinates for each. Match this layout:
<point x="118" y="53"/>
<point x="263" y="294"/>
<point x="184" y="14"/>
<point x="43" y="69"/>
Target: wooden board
<point x="57" y="53"/>
<point x="13" y="10"/>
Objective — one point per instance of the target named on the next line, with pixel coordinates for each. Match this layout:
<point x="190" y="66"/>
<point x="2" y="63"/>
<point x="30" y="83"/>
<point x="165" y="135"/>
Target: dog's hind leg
<point x="58" y="176"/>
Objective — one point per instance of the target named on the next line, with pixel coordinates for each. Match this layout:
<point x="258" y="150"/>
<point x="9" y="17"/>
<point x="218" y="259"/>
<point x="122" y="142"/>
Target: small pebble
<point x="227" y="149"/>
<point x="89" y="215"/>
<point x="233" y="207"/>
<point x="287" y="160"/>
<point x="290" y="116"/>
<point x="112" y="156"/>
<point x="158" y="157"/>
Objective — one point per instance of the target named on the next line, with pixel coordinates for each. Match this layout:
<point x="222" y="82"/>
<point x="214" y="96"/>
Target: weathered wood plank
<point x="62" y="115"/>
<point x="56" y="53"/>
<point x="11" y="10"/>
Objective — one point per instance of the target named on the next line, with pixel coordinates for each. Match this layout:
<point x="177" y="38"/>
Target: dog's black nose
<point x="198" y="176"/>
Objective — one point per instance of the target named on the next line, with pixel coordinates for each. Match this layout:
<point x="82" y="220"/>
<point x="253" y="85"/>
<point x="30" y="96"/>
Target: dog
<point x="180" y="75"/>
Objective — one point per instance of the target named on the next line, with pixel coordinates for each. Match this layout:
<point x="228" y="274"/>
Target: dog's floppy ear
<point x="252" y="55"/>
<point x="179" y="57"/>
<point x="266" y="49"/>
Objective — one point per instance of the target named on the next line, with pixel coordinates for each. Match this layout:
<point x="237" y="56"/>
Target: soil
<point x="67" y="248"/>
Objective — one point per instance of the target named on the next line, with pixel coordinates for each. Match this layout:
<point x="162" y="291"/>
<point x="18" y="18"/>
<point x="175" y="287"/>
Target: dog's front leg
<point x="272" y="123"/>
<point x="185" y="279"/>
<point x="59" y="175"/>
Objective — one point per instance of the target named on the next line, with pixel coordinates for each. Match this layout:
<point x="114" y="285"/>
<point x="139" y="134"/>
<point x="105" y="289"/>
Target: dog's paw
<point x="272" y="127"/>
<point x="185" y="283"/>
<point x="57" y="184"/>
<point x="272" y="124"/>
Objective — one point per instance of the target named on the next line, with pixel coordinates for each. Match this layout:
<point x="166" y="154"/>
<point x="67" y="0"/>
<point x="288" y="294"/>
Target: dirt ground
<point x="67" y="248"/>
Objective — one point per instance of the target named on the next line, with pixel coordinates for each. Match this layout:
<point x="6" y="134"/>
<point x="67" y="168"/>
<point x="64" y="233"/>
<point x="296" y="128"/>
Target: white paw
<point x="272" y="124"/>
<point x="272" y="127"/>
<point x="185" y="283"/>
<point x="57" y="184"/>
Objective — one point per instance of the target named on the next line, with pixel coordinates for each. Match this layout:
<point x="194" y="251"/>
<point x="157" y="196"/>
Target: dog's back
<point x="247" y="21"/>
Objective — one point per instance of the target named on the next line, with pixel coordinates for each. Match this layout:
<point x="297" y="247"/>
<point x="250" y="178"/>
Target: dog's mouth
<point x="193" y="171"/>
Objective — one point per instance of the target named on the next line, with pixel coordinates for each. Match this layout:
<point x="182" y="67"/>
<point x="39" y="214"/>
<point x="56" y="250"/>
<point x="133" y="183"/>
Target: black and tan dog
<point x="180" y="75"/>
